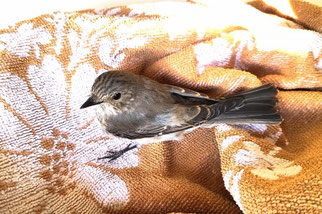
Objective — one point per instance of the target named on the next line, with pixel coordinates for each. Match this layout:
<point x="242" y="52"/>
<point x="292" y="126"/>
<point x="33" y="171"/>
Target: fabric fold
<point x="49" y="146"/>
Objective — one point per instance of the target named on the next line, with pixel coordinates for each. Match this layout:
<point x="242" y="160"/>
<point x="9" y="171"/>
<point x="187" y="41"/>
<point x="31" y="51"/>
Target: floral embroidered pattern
<point x="26" y="34"/>
<point x="265" y="165"/>
<point x="59" y="149"/>
<point x="49" y="147"/>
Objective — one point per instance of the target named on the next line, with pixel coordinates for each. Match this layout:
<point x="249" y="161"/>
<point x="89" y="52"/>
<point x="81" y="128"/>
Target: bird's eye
<point x="116" y="96"/>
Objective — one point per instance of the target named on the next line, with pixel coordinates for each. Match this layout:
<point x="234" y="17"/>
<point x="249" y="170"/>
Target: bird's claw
<point x="116" y="154"/>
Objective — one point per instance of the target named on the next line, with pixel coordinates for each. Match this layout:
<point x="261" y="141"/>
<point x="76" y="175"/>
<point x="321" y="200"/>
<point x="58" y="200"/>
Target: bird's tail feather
<point x="257" y="106"/>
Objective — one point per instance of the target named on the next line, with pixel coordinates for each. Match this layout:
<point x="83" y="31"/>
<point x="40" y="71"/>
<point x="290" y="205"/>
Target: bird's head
<point x="113" y="88"/>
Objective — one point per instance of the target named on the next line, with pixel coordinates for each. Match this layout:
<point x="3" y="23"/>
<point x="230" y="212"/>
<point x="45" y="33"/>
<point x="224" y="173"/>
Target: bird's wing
<point x="187" y="92"/>
<point x="206" y="108"/>
<point x="190" y="117"/>
<point x="150" y="132"/>
<point x="189" y="97"/>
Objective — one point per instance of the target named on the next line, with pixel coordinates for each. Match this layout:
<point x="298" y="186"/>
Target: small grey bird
<point x="135" y="107"/>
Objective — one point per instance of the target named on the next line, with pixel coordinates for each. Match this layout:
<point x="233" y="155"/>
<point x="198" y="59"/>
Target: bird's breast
<point x="108" y="110"/>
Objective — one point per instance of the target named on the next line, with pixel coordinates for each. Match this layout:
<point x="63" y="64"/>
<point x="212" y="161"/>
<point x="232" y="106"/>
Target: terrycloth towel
<point x="49" y="146"/>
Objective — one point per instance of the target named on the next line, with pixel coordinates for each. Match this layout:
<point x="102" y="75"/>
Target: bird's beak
<point x="89" y="102"/>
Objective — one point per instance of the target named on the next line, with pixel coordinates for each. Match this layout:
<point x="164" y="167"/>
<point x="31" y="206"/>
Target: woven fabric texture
<point x="49" y="146"/>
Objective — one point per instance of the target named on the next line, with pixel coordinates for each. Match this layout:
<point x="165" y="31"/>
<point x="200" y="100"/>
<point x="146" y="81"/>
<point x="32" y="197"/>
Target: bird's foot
<point x="116" y="154"/>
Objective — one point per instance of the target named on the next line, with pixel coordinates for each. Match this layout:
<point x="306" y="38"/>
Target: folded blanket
<point x="49" y="147"/>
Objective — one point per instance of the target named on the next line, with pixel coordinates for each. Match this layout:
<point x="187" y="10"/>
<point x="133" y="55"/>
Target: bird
<point x="138" y="108"/>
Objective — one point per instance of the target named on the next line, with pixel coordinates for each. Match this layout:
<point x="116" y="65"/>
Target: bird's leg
<point x="116" y="154"/>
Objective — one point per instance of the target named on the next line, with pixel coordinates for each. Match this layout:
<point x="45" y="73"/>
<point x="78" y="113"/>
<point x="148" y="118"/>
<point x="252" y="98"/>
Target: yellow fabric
<point x="49" y="146"/>
<point x="305" y="12"/>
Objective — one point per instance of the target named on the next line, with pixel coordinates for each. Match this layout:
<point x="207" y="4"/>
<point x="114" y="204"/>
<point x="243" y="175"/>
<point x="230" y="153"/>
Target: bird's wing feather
<point x="190" y="97"/>
<point x="187" y="92"/>
<point x="194" y="116"/>
<point x="147" y="132"/>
